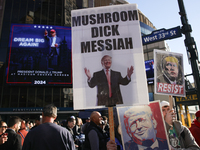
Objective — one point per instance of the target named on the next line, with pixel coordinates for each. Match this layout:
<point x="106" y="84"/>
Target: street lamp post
<point x="190" y="47"/>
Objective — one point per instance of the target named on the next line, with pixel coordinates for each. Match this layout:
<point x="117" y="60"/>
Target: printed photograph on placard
<point x="142" y="127"/>
<point x="107" y="93"/>
<point x="108" y="61"/>
<point x="169" y="73"/>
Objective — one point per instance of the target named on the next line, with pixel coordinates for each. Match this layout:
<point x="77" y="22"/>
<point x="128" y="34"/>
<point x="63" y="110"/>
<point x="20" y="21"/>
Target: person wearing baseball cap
<point x="195" y="127"/>
<point x="86" y="124"/>
<point x="52" y="31"/>
<point x="54" y="48"/>
<point x="180" y="136"/>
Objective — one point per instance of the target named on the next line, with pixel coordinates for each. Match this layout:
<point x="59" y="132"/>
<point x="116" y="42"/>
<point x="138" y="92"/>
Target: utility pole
<point x="190" y="47"/>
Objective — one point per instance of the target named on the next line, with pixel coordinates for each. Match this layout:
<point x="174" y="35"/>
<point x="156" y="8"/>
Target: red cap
<point x="198" y="113"/>
<point x="52" y="31"/>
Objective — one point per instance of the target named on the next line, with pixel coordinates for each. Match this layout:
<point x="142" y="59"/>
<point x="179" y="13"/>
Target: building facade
<point x="28" y="100"/>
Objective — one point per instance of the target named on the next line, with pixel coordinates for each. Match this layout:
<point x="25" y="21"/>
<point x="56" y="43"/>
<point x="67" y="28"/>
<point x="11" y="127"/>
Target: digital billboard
<point x="39" y="55"/>
<point x="149" y="67"/>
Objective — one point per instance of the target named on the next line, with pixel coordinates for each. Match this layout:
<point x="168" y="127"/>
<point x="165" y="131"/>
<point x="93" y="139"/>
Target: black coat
<point x="102" y="137"/>
<point x="14" y="141"/>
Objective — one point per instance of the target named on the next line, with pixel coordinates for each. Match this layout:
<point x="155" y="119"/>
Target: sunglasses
<point x="3" y="126"/>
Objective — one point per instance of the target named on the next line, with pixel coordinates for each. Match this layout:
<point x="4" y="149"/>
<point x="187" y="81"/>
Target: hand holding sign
<point x="111" y="145"/>
<point x="3" y="138"/>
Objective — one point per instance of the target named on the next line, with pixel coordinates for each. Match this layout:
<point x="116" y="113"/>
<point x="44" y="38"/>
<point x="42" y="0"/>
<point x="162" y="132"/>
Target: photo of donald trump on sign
<point x="108" y="82"/>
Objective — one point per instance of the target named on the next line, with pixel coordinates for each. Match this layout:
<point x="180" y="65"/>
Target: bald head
<point x="96" y="117"/>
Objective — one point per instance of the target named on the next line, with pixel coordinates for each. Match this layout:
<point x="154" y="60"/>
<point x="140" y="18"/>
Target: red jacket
<point x="195" y="130"/>
<point x="22" y="133"/>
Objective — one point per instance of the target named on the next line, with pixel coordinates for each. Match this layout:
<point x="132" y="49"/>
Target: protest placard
<point x="143" y="127"/>
<point x="107" y="54"/>
<point x="169" y="74"/>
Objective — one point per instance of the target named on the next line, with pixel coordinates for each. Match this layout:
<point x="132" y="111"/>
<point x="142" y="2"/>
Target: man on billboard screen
<point x="54" y="48"/>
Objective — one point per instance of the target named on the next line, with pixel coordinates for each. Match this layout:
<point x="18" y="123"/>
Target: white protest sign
<point x="107" y="38"/>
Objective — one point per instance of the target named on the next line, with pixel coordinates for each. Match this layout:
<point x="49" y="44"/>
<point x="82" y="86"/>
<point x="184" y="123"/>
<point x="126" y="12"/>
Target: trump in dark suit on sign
<point x="108" y="83"/>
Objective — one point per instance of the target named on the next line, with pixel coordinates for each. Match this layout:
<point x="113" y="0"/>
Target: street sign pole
<point x="190" y="47"/>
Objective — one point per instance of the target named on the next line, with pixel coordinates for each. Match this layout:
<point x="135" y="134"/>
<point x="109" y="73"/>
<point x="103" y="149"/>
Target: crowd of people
<point x="45" y="132"/>
<point x="72" y="134"/>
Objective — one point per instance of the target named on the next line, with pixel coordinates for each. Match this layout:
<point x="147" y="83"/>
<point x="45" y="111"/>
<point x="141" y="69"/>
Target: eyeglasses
<point x="3" y="127"/>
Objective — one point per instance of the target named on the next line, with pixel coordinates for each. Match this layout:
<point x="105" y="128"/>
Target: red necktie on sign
<point x="109" y="84"/>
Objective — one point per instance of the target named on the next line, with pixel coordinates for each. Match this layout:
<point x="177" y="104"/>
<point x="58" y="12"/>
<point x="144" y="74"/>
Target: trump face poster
<point x="108" y="62"/>
<point x="169" y="74"/>
<point x="143" y="127"/>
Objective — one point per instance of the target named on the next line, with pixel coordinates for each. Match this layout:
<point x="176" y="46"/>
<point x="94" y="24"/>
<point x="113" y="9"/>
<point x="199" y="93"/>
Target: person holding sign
<point x="141" y="127"/>
<point x="179" y="135"/>
<point x="107" y="82"/>
<point x="171" y="72"/>
<point x="95" y="139"/>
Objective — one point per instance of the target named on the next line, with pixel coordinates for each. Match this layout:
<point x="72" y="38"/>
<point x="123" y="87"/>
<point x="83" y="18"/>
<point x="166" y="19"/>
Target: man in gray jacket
<point x="180" y="137"/>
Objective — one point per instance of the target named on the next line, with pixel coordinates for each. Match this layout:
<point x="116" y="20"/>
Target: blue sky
<point x="164" y="14"/>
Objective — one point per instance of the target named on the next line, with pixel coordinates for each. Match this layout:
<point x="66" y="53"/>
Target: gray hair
<point x="50" y="111"/>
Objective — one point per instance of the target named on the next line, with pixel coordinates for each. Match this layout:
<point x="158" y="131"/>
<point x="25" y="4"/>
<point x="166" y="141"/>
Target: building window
<point x="48" y="95"/>
<point x="31" y="100"/>
<point x="40" y="97"/>
<point x="22" y="96"/>
<point x="14" y="92"/>
<point x="6" y="97"/>
<point x="56" y="97"/>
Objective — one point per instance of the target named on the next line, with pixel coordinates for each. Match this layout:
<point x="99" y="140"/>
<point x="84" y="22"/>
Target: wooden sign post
<point x="111" y="123"/>
<point x="171" y="102"/>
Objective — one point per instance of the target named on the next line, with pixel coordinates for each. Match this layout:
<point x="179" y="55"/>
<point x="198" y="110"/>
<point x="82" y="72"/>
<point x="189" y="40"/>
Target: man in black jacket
<point x="14" y="140"/>
<point x="94" y="137"/>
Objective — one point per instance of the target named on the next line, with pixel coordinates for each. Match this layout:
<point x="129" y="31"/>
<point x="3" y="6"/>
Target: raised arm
<point x="87" y="73"/>
<point x="130" y="71"/>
